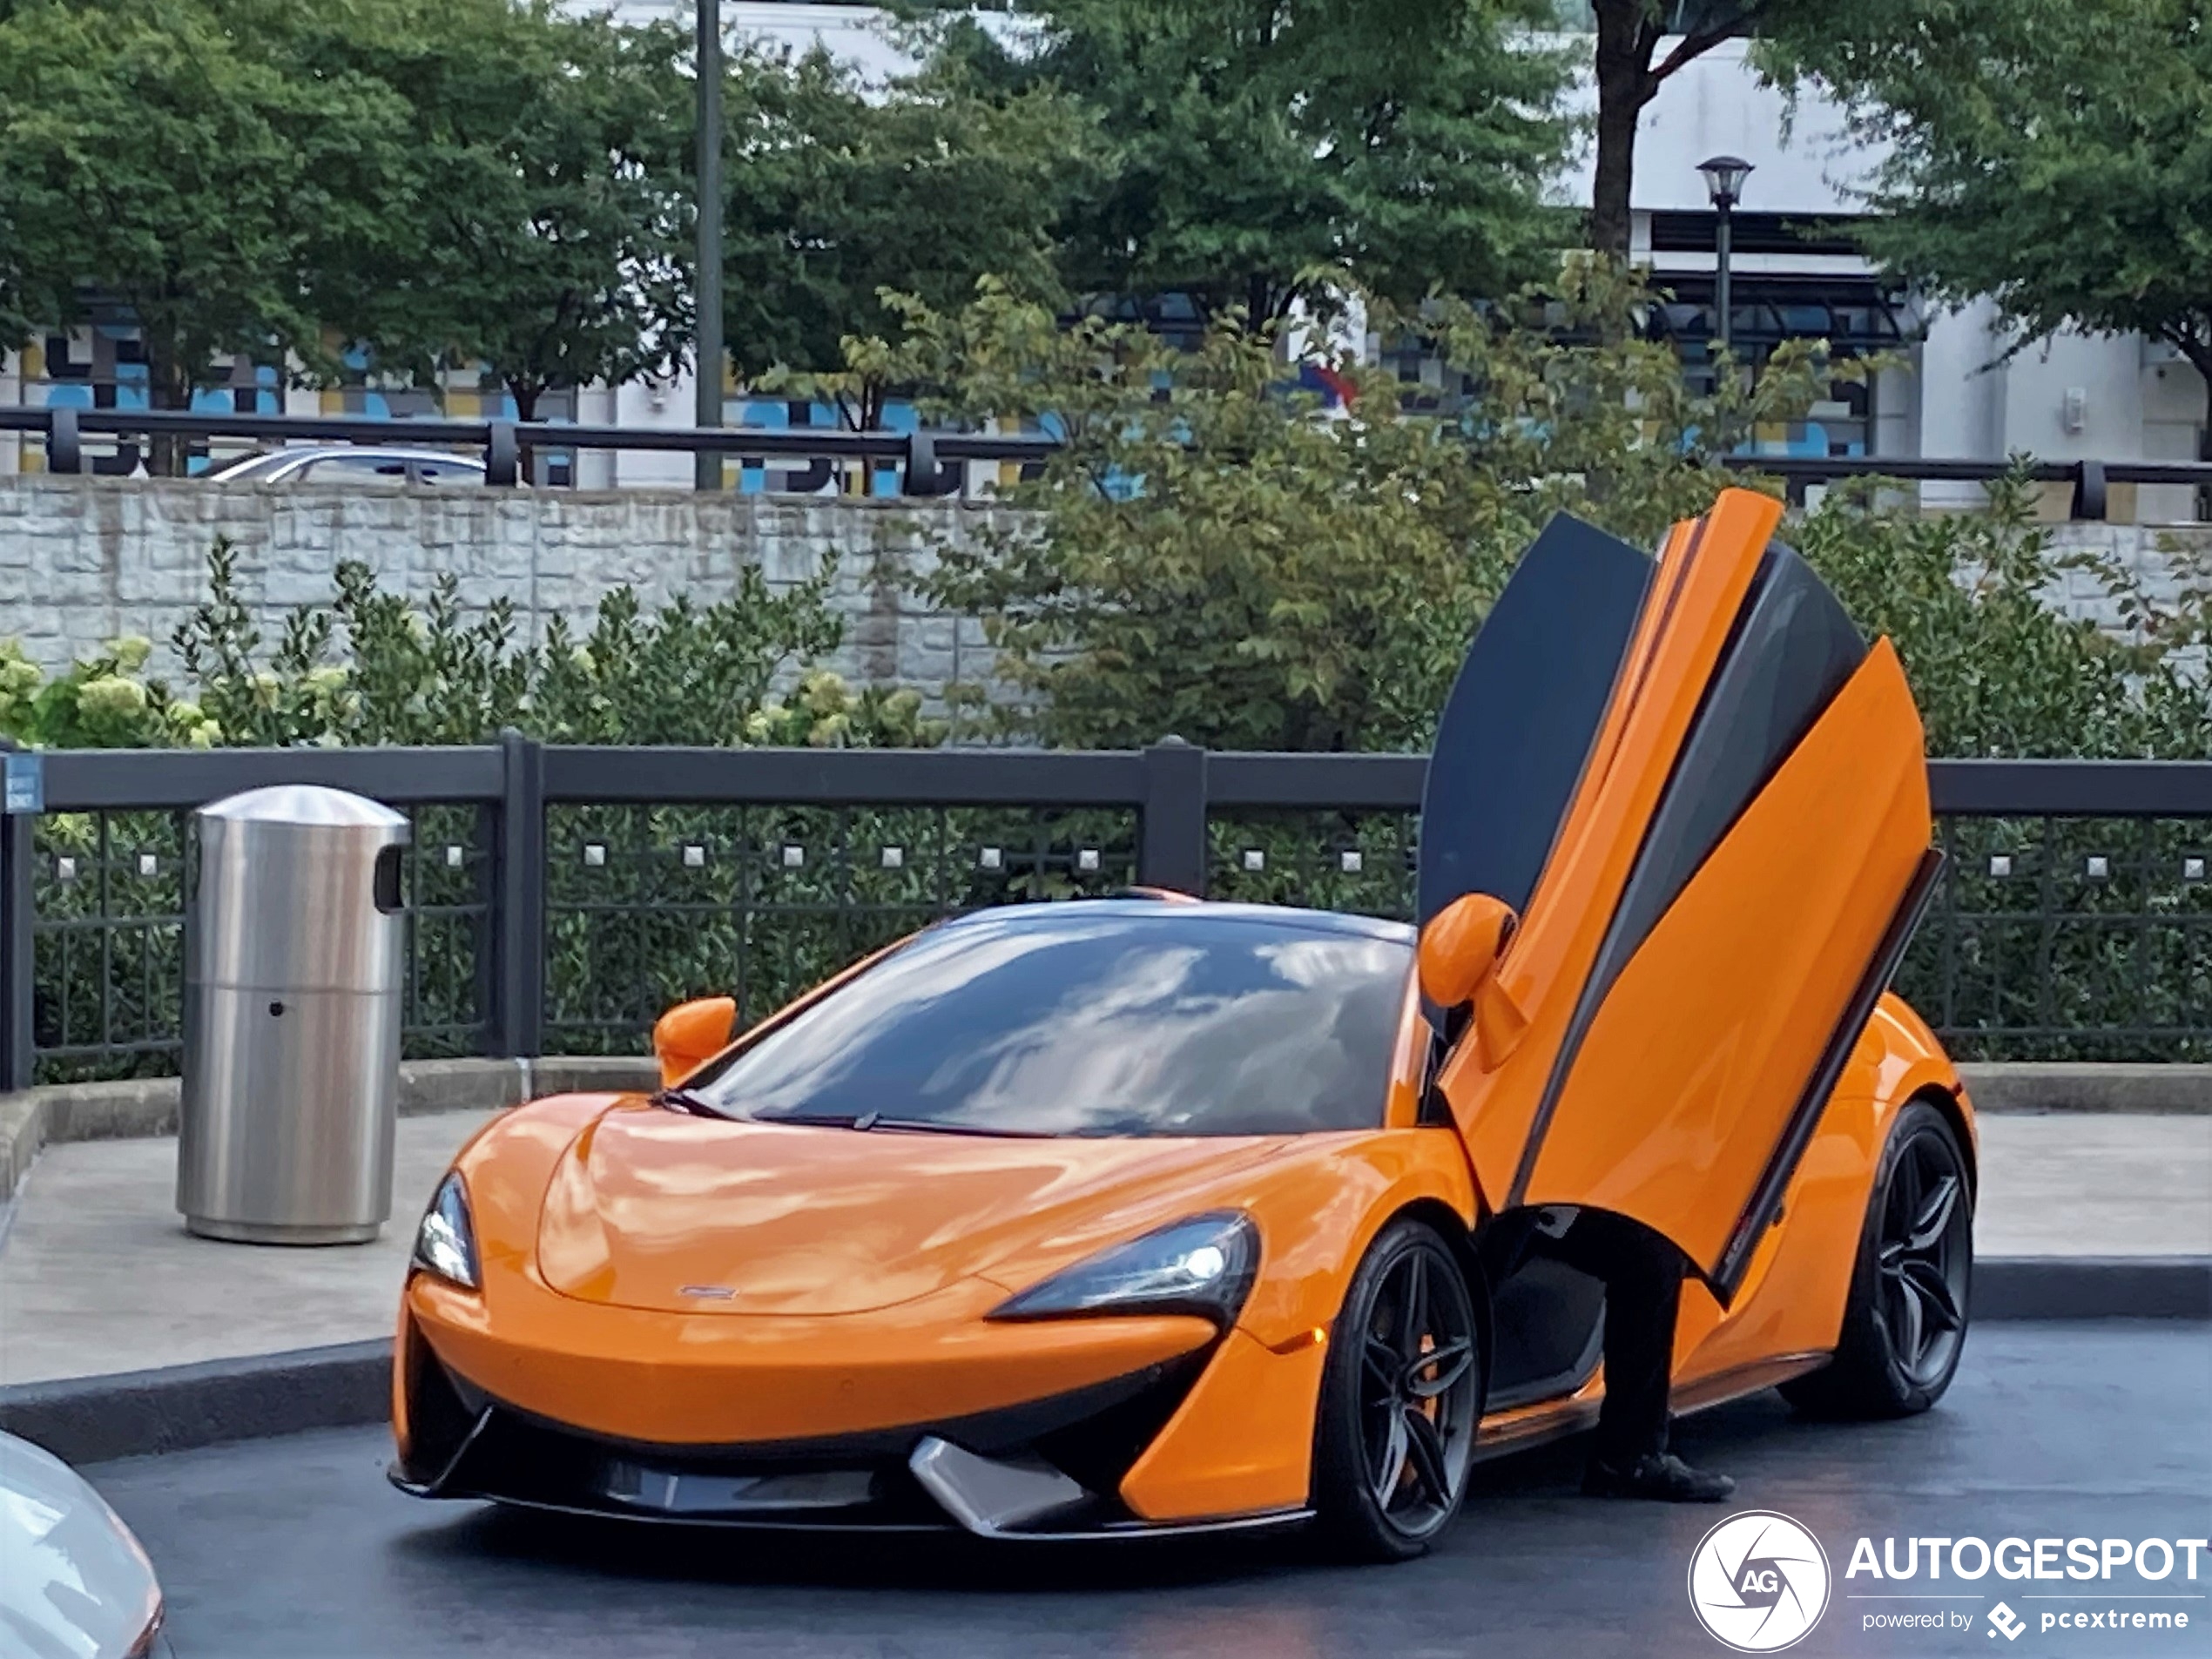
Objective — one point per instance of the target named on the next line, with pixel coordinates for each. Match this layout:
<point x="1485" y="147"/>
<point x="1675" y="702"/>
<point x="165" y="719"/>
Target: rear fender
<point x="1799" y="1280"/>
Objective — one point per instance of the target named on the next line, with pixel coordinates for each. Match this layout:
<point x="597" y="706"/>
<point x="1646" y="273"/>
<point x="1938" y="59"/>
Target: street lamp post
<point x="707" y="288"/>
<point x="1725" y="177"/>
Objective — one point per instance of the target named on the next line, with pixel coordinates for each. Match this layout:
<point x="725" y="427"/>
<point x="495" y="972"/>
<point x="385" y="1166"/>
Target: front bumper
<point x="1047" y="1469"/>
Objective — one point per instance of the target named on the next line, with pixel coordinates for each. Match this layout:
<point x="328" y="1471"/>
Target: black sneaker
<point x="1665" y="1478"/>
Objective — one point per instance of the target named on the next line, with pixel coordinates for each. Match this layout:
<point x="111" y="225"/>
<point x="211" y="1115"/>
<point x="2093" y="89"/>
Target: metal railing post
<point x="503" y="455"/>
<point x="2089" y="490"/>
<point x="925" y="476"/>
<point x="1171" y="851"/>
<point x="17" y="963"/>
<point x="518" y="911"/>
<point x="64" y="446"/>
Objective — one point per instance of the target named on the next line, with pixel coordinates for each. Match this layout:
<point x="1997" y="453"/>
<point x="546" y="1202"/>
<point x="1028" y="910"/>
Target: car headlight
<point x="1204" y="1265"/>
<point x="446" y="1242"/>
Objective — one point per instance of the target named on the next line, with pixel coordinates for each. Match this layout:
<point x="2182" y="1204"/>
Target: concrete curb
<point x="89" y="1419"/>
<point x="2086" y="1086"/>
<point x="2093" y="1287"/>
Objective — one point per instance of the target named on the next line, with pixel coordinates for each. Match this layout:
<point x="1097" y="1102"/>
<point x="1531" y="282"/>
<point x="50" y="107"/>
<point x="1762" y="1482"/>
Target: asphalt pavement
<point x="296" y="1547"/>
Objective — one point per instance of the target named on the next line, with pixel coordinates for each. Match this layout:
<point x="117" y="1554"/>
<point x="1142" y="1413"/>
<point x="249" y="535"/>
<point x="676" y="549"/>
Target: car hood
<point x="651" y="1209"/>
<point x="75" y="1585"/>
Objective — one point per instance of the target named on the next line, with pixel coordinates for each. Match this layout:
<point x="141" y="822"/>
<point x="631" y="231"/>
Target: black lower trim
<point x="1758" y="1215"/>
<point x="482" y="1446"/>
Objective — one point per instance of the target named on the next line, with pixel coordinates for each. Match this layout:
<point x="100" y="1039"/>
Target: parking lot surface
<point x="297" y="1548"/>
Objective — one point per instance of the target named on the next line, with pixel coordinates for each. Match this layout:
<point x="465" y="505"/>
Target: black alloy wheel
<point x="1401" y="1399"/>
<point x="1905" y="1323"/>
<point x="1926" y="1242"/>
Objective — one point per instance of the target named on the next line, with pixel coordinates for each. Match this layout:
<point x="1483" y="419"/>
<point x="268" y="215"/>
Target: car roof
<point x="271" y="459"/>
<point x="381" y="452"/>
<point x="1174" y="907"/>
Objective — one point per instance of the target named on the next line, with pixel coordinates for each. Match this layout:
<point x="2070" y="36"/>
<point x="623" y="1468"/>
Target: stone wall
<point x="84" y="559"/>
<point x="2167" y="559"/>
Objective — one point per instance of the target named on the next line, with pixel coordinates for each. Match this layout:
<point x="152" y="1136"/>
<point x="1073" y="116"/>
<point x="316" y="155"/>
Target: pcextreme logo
<point x="1759" y="1581"/>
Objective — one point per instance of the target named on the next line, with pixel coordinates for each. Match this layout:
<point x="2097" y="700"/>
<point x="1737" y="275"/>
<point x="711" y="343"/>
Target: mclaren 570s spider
<point x="1146" y="1215"/>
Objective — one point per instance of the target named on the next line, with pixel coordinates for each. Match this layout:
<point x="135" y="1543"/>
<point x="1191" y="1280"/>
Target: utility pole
<point x="707" y="289"/>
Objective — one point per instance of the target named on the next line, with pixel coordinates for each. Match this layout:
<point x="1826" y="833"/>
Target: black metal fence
<point x="561" y="898"/>
<point x="927" y="463"/>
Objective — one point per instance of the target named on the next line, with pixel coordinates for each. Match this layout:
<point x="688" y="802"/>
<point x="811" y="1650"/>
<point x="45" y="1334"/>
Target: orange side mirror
<point x="691" y="1033"/>
<point x="1457" y="962"/>
<point x="1460" y="947"/>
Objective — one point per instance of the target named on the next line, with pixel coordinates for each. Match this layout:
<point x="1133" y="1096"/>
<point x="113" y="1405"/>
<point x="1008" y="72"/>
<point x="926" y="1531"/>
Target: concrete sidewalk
<point x="98" y="1275"/>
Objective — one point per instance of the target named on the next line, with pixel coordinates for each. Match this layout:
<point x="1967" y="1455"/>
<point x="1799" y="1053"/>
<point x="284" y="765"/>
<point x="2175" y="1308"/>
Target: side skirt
<point x="1529" y="1426"/>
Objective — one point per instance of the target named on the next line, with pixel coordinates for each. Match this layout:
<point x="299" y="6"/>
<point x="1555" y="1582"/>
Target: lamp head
<point x="1725" y="177"/>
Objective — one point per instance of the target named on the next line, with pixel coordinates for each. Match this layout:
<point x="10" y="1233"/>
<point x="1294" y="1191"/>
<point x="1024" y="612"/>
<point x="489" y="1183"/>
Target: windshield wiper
<point x="818" y="1120"/>
<point x="933" y="1126"/>
<point x="865" y="1121"/>
<point x="674" y="1099"/>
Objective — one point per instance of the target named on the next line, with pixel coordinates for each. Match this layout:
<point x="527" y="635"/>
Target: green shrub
<point x="374" y="667"/>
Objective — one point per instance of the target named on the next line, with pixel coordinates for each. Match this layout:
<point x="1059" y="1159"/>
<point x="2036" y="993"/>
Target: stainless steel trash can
<point x="291" y="1019"/>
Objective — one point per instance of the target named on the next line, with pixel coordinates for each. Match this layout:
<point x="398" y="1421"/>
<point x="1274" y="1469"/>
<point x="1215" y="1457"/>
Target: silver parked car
<point x="351" y="464"/>
<point x="74" y="1583"/>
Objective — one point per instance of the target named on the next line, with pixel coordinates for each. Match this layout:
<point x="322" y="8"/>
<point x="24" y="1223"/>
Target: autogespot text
<point x="2025" y="1558"/>
<point x="2134" y="1562"/>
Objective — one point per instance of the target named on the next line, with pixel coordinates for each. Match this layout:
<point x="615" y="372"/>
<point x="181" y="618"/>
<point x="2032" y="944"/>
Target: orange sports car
<point x="1142" y="1216"/>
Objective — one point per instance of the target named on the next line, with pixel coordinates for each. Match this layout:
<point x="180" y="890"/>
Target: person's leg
<point x="1643" y="1298"/>
<point x="1642" y="1273"/>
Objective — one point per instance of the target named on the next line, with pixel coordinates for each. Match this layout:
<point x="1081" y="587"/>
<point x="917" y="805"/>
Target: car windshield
<point x="1095" y="1019"/>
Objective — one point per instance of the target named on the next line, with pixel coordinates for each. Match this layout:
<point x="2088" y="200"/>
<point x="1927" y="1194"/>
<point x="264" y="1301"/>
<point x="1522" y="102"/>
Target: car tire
<point x="1904" y="1324"/>
<point x="1394" y="1436"/>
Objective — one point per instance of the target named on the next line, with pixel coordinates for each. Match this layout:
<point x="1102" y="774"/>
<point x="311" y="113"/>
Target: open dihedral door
<point x="1708" y="799"/>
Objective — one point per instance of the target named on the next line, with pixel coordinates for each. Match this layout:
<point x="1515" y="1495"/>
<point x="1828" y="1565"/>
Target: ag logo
<point x="1759" y="1581"/>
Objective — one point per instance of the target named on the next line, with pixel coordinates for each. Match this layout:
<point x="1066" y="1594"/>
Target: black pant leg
<point x="1642" y="1274"/>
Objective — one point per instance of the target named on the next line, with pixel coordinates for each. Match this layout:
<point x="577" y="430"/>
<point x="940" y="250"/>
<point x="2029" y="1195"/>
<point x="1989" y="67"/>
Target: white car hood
<point x="74" y="1583"/>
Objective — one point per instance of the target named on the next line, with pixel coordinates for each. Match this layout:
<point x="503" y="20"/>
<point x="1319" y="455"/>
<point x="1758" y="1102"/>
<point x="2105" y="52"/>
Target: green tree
<point x="1627" y="69"/>
<point x="840" y="193"/>
<point x="544" y="208"/>
<point x="1256" y="145"/>
<point x="167" y="162"/>
<point x="2056" y="156"/>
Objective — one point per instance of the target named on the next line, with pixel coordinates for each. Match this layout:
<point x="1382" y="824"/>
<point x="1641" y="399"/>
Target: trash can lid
<point x="308" y="804"/>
